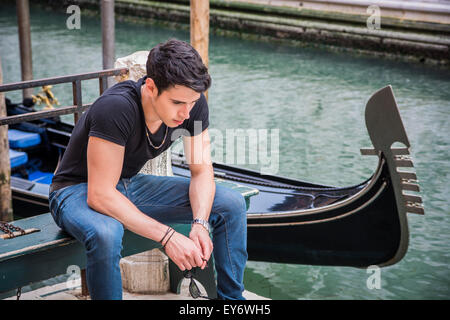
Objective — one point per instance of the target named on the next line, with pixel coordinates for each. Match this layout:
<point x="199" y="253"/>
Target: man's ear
<point x="151" y="86"/>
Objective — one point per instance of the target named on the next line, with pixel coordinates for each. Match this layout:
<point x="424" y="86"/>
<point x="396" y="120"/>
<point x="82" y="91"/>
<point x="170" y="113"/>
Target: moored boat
<point x="289" y="221"/>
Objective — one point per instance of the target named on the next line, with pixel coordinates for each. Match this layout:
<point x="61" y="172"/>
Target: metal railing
<point x="77" y="108"/>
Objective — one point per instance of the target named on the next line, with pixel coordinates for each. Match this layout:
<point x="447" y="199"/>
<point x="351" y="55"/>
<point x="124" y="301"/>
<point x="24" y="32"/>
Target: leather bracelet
<point x="164" y="245"/>
<point x="165" y="235"/>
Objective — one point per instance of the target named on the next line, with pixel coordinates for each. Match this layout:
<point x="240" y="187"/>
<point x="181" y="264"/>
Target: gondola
<point x="289" y="221"/>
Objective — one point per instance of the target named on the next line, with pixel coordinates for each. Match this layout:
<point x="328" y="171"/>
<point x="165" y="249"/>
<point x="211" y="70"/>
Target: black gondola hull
<point x="357" y="235"/>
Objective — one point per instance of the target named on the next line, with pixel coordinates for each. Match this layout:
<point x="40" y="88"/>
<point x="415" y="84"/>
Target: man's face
<point x="174" y="104"/>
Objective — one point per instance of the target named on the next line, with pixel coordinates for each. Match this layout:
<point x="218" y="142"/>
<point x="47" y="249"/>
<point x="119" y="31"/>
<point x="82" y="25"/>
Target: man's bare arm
<point x="105" y="160"/>
<point x="202" y="187"/>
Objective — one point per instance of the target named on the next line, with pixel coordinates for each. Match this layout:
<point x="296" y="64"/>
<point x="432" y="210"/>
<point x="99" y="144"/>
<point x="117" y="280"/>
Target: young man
<point x="97" y="191"/>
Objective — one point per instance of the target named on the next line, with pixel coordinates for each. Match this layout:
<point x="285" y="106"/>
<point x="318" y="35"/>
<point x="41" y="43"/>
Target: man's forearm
<point x="201" y="193"/>
<point x="116" y="205"/>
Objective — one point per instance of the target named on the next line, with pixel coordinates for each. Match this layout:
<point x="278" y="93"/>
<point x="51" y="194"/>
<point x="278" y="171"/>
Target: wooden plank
<point x="41" y="265"/>
<point x="49" y="236"/>
<point x="54" y="253"/>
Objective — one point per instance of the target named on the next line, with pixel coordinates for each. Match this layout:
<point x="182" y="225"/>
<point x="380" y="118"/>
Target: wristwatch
<point x="204" y="223"/>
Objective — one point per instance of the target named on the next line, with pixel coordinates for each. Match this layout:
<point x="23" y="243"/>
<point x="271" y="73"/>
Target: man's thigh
<point x="164" y="198"/>
<point x="70" y="211"/>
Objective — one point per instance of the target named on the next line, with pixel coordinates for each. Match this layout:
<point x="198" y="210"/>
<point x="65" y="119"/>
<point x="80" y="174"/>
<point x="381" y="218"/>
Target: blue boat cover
<point x="21" y="139"/>
<point x="17" y="158"/>
<point x="41" y="177"/>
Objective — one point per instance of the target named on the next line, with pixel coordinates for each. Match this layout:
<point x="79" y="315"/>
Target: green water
<point x="316" y="99"/>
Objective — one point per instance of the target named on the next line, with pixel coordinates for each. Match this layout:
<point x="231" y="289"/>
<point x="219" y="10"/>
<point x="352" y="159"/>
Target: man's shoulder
<point x="126" y="92"/>
<point x="113" y="99"/>
<point x="114" y="108"/>
<point x="117" y="100"/>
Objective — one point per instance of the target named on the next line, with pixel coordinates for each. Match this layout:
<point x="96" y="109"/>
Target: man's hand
<point x="183" y="252"/>
<point x="200" y="236"/>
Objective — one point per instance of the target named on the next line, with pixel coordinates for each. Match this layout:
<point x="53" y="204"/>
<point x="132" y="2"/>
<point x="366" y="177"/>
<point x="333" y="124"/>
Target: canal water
<point x="314" y="100"/>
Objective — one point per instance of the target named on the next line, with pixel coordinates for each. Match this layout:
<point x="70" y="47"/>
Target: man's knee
<point x="229" y="200"/>
<point x="106" y="237"/>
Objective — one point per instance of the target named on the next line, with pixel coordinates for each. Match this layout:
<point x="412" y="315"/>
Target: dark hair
<point x="176" y="62"/>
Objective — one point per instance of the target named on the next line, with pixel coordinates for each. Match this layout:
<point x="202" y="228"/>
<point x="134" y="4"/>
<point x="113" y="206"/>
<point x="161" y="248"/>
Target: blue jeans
<point x="165" y="199"/>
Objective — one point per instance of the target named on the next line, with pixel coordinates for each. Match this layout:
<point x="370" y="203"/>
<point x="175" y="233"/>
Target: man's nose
<point x="185" y="111"/>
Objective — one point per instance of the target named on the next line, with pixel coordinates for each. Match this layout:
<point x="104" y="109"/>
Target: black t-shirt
<point x="117" y="116"/>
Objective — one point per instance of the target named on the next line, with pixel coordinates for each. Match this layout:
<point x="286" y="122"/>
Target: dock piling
<point x="6" y="213"/>
<point x="26" y="57"/>
<point x="108" y="36"/>
<point x="200" y="29"/>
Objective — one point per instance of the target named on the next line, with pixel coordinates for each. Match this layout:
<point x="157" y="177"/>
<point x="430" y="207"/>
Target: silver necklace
<point x="148" y="137"/>
<point x="150" y="141"/>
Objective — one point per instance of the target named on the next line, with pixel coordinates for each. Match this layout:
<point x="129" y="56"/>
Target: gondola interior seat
<point x="23" y="165"/>
<point x="20" y="139"/>
<point x="41" y="177"/>
<point x="17" y="158"/>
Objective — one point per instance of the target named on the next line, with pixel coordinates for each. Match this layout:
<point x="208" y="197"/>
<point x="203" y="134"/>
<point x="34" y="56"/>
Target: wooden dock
<point x="60" y="291"/>
<point x="430" y="11"/>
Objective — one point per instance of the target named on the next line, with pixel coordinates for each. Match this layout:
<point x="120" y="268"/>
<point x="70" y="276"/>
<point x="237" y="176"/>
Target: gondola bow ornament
<point x="385" y="128"/>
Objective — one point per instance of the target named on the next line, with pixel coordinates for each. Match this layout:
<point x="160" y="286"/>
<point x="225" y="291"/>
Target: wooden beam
<point x="23" y="20"/>
<point x="6" y="213"/>
<point x="108" y="36"/>
<point x="200" y="29"/>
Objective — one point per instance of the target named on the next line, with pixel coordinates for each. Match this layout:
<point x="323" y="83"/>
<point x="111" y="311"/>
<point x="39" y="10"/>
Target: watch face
<point x="204" y="223"/>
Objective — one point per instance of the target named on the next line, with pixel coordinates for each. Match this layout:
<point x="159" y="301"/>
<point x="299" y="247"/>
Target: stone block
<point x="146" y="272"/>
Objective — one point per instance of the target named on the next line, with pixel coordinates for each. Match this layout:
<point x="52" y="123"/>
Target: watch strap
<point x="204" y="223"/>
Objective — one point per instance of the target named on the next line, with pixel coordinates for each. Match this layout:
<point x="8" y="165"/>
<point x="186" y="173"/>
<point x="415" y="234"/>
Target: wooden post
<point x="23" y="19"/>
<point x="6" y="213"/>
<point x="200" y="29"/>
<point x="84" y="287"/>
<point x="108" y="38"/>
